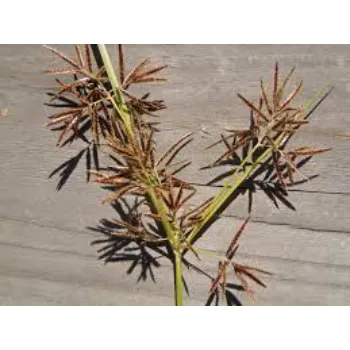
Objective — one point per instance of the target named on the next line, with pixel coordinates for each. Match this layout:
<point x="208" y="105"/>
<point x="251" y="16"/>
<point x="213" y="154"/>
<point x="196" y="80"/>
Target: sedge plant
<point x="99" y="109"/>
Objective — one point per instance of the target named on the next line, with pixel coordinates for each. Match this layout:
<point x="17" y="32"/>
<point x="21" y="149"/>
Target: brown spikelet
<point x="155" y="217"/>
<point x="237" y="237"/>
<point x="173" y="147"/>
<point x="297" y="122"/>
<point x="291" y="96"/>
<point x="66" y="130"/>
<point x="114" y="180"/>
<point x="256" y="269"/>
<point x="94" y="126"/>
<point x="261" y="102"/>
<point x="66" y="112"/>
<point x="223" y="139"/>
<point x="224" y="282"/>
<point x="130" y="77"/>
<point x="263" y="93"/>
<point x="121" y="64"/>
<point x="277" y="168"/>
<point x="190" y="247"/>
<point x="114" y="197"/>
<point x="71" y="88"/>
<point x="216" y="281"/>
<point x="148" y="151"/>
<point x="63" y="119"/>
<point x="290" y="176"/>
<point x="88" y="57"/>
<point x="152" y="71"/>
<point x="245" y="271"/>
<point x="197" y="211"/>
<point x="108" y="117"/>
<point x="98" y="127"/>
<point x="101" y="71"/>
<point x="63" y="56"/>
<point x="126" y="234"/>
<point x="185" y="199"/>
<point x="283" y="86"/>
<point x="79" y="55"/>
<point x="171" y="193"/>
<point x="148" y="80"/>
<point x="308" y="151"/>
<point x="124" y="150"/>
<point x="253" y="107"/>
<point x="275" y="88"/>
<point x="232" y="150"/>
<point x="245" y="286"/>
<point x="179" y="196"/>
<point x="60" y="71"/>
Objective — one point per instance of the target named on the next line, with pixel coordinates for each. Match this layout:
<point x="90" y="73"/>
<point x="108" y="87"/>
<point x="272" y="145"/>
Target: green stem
<point x="229" y="188"/>
<point x="178" y="280"/>
<point x="118" y="100"/>
<point x="174" y="243"/>
<point x="159" y="206"/>
<point x="111" y="73"/>
<point x="120" y="106"/>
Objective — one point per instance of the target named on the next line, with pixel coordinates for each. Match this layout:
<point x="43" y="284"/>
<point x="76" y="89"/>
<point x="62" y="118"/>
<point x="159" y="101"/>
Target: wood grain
<point x="45" y="252"/>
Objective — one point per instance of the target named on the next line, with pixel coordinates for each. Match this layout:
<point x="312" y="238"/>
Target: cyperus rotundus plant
<point x="155" y="206"/>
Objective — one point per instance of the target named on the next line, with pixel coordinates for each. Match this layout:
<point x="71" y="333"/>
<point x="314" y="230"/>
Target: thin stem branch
<point x="118" y="100"/>
<point x="178" y="280"/>
<point x="173" y="236"/>
<point x="159" y="206"/>
<point x="230" y="187"/>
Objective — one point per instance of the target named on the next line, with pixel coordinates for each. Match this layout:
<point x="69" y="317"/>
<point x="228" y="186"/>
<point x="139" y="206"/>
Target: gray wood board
<point x="45" y="251"/>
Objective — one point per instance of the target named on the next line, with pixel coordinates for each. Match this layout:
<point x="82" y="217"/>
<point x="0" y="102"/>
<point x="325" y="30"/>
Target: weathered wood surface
<point x="45" y="252"/>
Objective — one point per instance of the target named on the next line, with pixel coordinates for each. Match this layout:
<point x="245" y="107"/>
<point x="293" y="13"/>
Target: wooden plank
<point x="44" y="250"/>
<point x="56" y="263"/>
<point x="183" y="118"/>
<point x="38" y="200"/>
<point x="261" y="239"/>
<point x="37" y="291"/>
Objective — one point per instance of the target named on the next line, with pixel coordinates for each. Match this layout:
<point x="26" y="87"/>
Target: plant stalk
<point x="174" y="243"/>
<point x="178" y="279"/>
<point x="229" y="188"/>
<point x="120" y="105"/>
<point x="158" y="204"/>
<point x="118" y="100"/>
